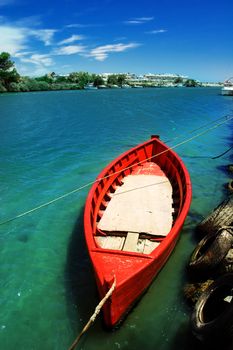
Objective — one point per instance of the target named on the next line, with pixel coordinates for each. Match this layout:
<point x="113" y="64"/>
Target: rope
<point x="47" y="203"/>
<point x="200" y="127"/>
<point x="117" y="172"/>
<point x="222" y="154"/>
<point x="93" y="317"/>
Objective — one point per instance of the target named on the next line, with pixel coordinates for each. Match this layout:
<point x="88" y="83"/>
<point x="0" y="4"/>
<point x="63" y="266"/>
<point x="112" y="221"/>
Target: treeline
<point x="75" y="81"/>
<point x="11" y="81"/>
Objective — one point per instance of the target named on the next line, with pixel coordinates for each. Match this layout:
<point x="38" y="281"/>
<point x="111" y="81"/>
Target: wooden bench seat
<point x="131" y="243"/>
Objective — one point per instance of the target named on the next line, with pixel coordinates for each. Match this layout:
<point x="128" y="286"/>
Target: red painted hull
<point x="133" y="271"/>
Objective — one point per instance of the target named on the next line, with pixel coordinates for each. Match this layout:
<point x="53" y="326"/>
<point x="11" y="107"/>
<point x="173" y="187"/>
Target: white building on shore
<point x="150" y="79"/>
<point x="166" y="78"/>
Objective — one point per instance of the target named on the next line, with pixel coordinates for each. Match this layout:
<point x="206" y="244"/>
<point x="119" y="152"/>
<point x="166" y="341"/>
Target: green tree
<point x="14" y="87"/>
<point x="178" y="80"/>
<point x="61" y="79"/>
<point x="121" y="79"/>
<point x="5" y="62"/>
<point x="45" y="78"/>
<point x="112" y="79"/>
<point x="8" y="74"/>
<point x="29" y="84"/>
<point x="98" y="80"/>
<point x="2" y="88"/>
<point x="23" y="87"/>
<point x="191" y="83"/>
<point x="80" y="78"/>
<point x="84" y="78"/>
<point x="73" y="77"/>
<point x="9" y="77"/>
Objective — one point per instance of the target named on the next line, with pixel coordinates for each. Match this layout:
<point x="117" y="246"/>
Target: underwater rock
<point x="23" y="237"/>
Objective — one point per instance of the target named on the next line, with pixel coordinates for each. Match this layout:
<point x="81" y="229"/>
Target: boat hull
<point x="227" y="91"/>
<point x="133" y="271"/>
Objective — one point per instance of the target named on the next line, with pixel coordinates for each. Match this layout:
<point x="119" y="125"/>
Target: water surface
<point x="54" y="142"/>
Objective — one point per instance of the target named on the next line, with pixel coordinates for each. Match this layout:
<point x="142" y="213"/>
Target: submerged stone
<point x="23" y="237"/>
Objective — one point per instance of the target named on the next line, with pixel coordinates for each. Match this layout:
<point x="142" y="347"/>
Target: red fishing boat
<point x="133" y="215"/>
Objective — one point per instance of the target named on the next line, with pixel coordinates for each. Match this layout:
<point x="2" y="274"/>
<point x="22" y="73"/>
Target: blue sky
<point x="192" y="37"/>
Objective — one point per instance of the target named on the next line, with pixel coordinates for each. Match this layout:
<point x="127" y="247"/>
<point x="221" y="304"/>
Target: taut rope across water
<point x="216" y="125"/>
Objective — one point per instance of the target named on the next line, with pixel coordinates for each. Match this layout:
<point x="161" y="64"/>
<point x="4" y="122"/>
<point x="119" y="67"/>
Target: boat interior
<point x="138" y="201"/>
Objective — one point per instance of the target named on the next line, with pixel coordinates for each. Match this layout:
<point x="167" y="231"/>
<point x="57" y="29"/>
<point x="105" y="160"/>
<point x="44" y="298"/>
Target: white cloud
<point x="35" y="71"/>
<point x="21" y="41"/>
<point x="72" y="39"/>
<point x="45" y="35"/>
<point x="80" y="25"/>
<point x="145" y="19"/>
<point x="12" y="39"/>
<point x="22" y="54"/>
<point x="100" y="53"/>
<point x="133" y="21"/>
<point x="69" y="50"/>
<point x="15" y="40"/>
<point x="140" y="20"/>
<point x="35" y="64"/>
<point x="38" y="59"/>
<point x="157" y="31"/>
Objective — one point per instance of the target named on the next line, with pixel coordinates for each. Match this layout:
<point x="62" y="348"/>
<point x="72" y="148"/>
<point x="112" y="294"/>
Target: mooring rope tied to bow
<point x="227" y="119"/>
<point x="93" y="317"/>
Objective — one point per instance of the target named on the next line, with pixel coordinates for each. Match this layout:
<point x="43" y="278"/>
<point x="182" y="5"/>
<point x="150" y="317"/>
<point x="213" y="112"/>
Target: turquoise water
<point x="54" y="142"/>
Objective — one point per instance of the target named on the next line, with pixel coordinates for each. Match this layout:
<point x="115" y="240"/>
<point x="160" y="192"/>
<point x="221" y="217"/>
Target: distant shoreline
<point x="74" y="88"/>
<point x="12" y="81"/>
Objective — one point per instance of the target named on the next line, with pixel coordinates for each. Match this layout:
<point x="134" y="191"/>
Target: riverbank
<point x="32" y="86"/>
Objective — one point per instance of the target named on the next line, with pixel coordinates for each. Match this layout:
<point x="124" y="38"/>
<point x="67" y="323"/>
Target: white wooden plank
<point x="149" y="246"/>
<point x="140" y="245"/>
<point x="110" y="242"/>
<point x="131" y="242"/>
<point x="142" y="204"/>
